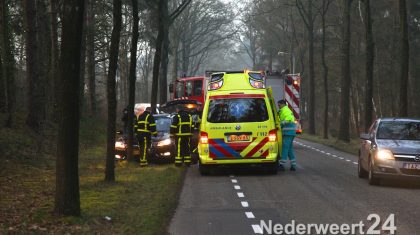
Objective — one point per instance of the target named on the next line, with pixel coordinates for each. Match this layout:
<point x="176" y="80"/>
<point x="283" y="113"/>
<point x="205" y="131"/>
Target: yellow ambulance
<point x="239" y="123"/>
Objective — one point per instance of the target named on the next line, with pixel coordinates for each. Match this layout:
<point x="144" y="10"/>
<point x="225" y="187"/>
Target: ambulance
<point x="239" y="124"/>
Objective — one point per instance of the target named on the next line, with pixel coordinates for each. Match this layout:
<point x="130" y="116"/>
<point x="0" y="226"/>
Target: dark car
<point x="162" y="148"/>
<point x="391" y="149"/>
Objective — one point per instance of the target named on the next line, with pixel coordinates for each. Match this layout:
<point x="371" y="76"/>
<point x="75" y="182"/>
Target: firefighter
<point x="181" y="130"/>
<point x="145" y="128"/>
<point x="288" y="128"/>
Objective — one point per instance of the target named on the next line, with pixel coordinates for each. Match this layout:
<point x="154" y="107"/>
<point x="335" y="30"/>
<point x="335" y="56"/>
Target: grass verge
<point x="141" y="201"/>
<point x="351" y="147"/>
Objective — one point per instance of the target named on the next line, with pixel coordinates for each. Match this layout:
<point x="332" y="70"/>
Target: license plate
<point x="238" y="138"/>
<point x="411" y="166"/>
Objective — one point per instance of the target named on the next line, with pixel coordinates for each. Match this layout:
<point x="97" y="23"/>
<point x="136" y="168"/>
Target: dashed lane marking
<point x="244" y="204"/>
<point x="257" y="229"/>
<point x="241" y="195"/>
<point x="249" y="215"/>
<point x="237" y="187"/>
<point x="234" y="181"/>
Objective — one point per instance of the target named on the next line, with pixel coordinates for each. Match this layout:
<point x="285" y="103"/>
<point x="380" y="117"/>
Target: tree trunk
<point x="54" y="82"/>
<point x="325" y="68"/>
<point x="157" y="57"/>
<point x="90" y="50"/>
<point x="3" y="97"/>
<point x="370" y="57"/>
<point x="35" y="117"/>
<point x="83" y="57"/>
<point x="344" y="131"/>
<point x="404" y="63"/>
<point x="132" y="78"/>
<point x="112" y="100"/>
<point x="165" y="54"/>
<point x="311" y="108"/>
<point x="8" y="66"/>
<point x="67" y="197"/>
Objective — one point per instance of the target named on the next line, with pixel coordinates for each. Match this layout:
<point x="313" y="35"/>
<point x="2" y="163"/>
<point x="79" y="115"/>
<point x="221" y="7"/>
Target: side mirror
<point x="171" y="88"/>
<point x="365" y="136"/>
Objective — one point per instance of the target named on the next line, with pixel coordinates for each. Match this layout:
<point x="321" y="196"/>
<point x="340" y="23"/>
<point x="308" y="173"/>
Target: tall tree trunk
<point x="83" y="57"/>
<point x="3" y="97"/>
<point x="344" y="131"/>
<point x="157" y="57"/>
<point x="311" y="108"/>
<point x="370" y="57"/>
<point x="35" y="117"/>
<point x="165" y="54"/>
<point x="54" y="82"/>
<point x="90" y="50"/>
<point x="325" y="5"/>
<point x="112" y="99"/>
<point x="132" y="78"/>
<point x="404" y="63"/>
<point x="8" y="66"/>
<point x="67" y="197"/>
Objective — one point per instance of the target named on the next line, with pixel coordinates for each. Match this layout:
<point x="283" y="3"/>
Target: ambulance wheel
<point x="204" y="170"/>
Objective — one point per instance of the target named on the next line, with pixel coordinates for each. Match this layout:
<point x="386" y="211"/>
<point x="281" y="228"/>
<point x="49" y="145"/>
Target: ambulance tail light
<point x="204" y="137"/>
<point x="272" y="135"/>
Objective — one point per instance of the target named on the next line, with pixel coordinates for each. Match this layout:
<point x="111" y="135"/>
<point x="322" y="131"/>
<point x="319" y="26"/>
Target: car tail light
<point x="272" y="135"/>
<point x="204" y="137"/>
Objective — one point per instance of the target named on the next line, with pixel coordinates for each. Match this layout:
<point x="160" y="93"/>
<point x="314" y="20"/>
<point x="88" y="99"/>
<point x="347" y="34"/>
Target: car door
<point x="367" y="146"/>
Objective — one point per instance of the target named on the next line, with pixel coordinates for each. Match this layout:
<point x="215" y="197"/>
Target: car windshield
<point x="399" y="130"/>
<point x="237" y="110"/>
<point x="163" y="124"/>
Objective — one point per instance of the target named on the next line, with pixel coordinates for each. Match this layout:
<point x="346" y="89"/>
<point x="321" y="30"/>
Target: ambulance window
<point x="237" y="110"/>
<point x="179" y="90"/>
<point x="189" y="88"/>
<point x="198" y="87"/>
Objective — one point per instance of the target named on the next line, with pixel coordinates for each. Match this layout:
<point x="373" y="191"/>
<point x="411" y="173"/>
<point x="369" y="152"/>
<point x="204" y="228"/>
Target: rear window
<point x="237" y="110"/>
<point x="399" y="130"/>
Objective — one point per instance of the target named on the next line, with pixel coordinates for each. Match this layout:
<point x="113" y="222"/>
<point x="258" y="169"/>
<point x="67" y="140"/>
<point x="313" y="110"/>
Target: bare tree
<point x="370" y="57"/>
<point x="8" y="63"/>
<point x="132" y="78"/>
<point x="404" y="63"/>
<point x="324" y="10"/>
<point x="344" y="132"/>
<point x="67" y="197"/>
<point x="308" y="17"/>
<point x="112" y="100"/>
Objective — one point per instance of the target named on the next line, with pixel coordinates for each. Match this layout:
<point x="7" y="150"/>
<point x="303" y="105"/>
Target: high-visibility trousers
<point x="183" y="150"/>
<point x="144" y="145"/>
<point x="287" y="150"/>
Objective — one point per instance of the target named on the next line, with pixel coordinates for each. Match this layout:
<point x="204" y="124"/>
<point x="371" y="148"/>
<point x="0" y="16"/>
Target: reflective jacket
<point x="182" y="124"/>
<point x="287" y="121"/>
<point x="145" y="124"/>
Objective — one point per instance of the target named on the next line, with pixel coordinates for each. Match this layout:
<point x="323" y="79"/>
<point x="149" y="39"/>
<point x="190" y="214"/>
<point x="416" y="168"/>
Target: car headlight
<point x="385" y="154"/>
<point x="164" y="142"/>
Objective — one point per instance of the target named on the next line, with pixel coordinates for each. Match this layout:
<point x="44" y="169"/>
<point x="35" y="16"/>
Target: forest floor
<point x="141" y="201"/>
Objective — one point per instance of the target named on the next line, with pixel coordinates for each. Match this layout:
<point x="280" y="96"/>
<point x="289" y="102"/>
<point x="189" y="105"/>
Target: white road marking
<point x="231" y="176"/>
<point x="237" y="187"/>
<point x="322" y="151"/>
<point x="329" y="154"/>
<point x="234" y="181"/>
<point x="244" y="204"/>
<point x="341" y="158"/>
<point x="348" y="160"/>
<point x="241" y="195"/>
<point x="356" y="163"/>
<point x="257" y="229"/>
<point x="249" y="215"/>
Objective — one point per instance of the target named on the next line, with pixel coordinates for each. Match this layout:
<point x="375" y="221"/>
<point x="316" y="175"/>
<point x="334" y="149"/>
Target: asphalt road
<point x="325" y="189"/>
